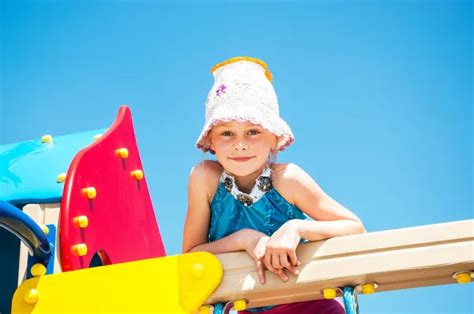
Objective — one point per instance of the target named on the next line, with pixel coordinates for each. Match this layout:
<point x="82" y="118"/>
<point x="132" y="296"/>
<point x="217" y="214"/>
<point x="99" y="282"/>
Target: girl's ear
<point x="209" y="143"/>
<point x="275" y="143"/>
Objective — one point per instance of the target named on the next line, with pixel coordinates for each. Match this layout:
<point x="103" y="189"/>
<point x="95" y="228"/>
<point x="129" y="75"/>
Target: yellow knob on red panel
<point x="121" y="153"/>
<point x="38" y="269"/>
<point x="79" y="249"/>
<point x="61" y="177"/>
<point x="81" y="221"/>
<point x="137" y="174"/>
<point x="240" y="305"/>
<point x="329" y="293"/>
<point x="89" y="192"/>
<point x="32" y="296"/>
<point x="46" y="139"/>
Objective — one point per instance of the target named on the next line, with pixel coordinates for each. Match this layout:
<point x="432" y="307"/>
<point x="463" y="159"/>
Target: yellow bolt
<point x="329" y="293"/>
<point x="79" y="249"/>
<point x="46" y="139"/>
<point x="32" y="296"/>
<point x="45" y="229"/>
<point x="89" y="192"/>
<point x="240" y="305"/>
<point x="463" y="277"/>
<point x="81" y="221"/>
<point x="121" y="153"/>
<point x="38" y="269"/>
<point x="137" y="174"/>
<point x="197" y="270"/>
<point x="61" y="177"/>
<point x="205" y="309"/>
<point x="368" y="288"/>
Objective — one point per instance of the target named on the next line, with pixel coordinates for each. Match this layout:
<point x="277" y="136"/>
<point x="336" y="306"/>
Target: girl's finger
<point x="293" y="257"/>
<point x="282" y="274"/>
<point x="276" y="261"/>
<point x="293" y="270"/>
<point x="268" y="262"/>
<point x="284" y="261"/>
<point x="261" y="272"/>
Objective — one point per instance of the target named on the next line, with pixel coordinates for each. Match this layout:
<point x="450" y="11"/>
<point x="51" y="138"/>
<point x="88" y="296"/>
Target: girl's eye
<point x="226" y="133"/>
<point x="254" y="132"/>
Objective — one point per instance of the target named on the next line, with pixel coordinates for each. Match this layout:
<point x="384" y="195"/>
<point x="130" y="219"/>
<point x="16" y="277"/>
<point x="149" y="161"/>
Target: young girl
<point x="245" y="200"/>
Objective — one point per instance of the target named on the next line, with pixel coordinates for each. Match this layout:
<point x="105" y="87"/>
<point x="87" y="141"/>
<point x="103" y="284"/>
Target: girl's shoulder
<point x="284" y="172"/>
<point x="205" y="175"/>
<point x="287" y="178"/>
<point x="209" y="166"/>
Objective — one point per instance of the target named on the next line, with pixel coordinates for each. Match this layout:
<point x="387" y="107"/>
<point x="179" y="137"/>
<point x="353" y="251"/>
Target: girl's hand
<point x="254" y="244"/>
<point x="280" y="253"/>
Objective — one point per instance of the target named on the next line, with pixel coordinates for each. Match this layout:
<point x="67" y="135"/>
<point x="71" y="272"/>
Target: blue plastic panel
<point x="29" y="170"/>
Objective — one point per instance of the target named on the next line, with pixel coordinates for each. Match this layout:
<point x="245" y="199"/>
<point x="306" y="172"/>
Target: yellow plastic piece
<point x="38" y="269"/>
<point x="463" y="277"/>
<point x="137" y="174"/>
<point x="125" y="287"/>
<point x="205" y="309"/>
<point x="329" y="293"/>
<point x="46" y="139"/>
<point x="368" y="288"/>
<point x="79" y="249"/>
<point x="81" y="221"/>
<point x="89" y="192"/>
<point x="61" y="177"/>
<point x="240" y="305"/>
<point x="121" y="153"/>
<point x="31" y="296"/>
<point x="45" y="229"/>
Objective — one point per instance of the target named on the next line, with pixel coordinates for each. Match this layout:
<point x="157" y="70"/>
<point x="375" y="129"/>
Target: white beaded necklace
<point x="263" y="184"/>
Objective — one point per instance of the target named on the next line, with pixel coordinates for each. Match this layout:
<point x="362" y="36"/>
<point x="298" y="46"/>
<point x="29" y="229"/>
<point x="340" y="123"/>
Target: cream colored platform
<point x="394" y="259"/>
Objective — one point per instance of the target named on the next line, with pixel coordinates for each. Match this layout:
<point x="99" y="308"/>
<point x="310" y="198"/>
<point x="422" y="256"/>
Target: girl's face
<point x="242" y="148"/>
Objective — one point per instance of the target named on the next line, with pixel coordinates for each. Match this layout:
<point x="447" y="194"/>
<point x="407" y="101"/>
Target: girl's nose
<point x="240" y="145"/>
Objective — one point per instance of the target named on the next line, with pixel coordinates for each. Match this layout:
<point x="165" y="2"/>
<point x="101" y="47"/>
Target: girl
<point x="245" y="200"/>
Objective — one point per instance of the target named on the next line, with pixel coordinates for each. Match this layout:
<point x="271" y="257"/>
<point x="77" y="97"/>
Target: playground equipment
<point x="372" y="262"/>
<point x="65" y="218"/>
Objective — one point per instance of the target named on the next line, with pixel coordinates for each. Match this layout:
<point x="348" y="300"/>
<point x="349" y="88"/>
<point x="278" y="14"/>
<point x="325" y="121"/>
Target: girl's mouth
<point x="240" y="159"/>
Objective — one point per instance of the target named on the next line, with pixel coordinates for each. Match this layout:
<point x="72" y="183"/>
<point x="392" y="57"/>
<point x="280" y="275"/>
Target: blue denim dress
<point x="264" y="209"/>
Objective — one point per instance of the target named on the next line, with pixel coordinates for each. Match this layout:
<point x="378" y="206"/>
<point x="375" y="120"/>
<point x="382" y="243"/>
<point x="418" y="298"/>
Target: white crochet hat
<point x="243" y="91"/>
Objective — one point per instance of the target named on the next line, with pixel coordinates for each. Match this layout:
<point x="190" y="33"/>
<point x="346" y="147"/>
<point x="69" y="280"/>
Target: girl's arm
<point x="203" y="183"/>
<point x="196" y="225"/>
<point x="242" y="240"/>
<point x="331" y="219"/>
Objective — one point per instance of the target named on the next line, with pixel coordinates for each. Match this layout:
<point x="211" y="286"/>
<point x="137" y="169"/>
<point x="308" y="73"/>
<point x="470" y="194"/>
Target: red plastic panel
<point x="121" y="222"/>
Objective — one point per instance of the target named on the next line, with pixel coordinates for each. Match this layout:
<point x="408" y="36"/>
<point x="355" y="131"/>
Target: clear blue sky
<point x="378" y="94"/>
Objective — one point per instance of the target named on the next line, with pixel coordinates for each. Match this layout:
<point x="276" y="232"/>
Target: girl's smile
<point x="240" y="159"/>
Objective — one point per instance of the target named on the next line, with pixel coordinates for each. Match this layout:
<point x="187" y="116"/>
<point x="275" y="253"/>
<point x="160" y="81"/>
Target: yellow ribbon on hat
<point x="268" y="74"/>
